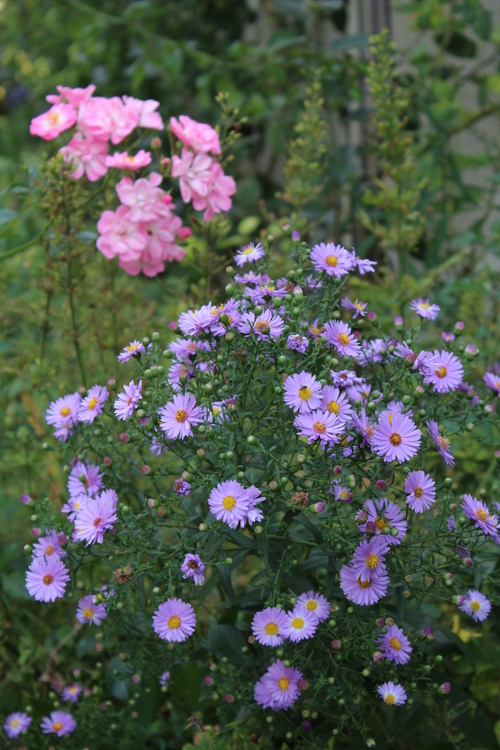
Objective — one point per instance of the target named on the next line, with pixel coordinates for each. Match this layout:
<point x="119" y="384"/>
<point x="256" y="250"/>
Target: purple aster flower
<point x="359" y="392"/>
<point x="63" y="415"/>
<point x="179" y="372"/>
<point x="179" y="415"/>
<point x="73" y="506"/>
<point x="447" y="337"/>
<point x="181" y="487"/>
<point x="336" y="403"/>
<point x="131" y="350"/>
<point x="90" y="485"/>
<point x="319" y="424"/>
<point x="72" y="692"/>
<point x="302" y="392"/>
<point x="492" y="381"/>
<point x="442" y="442"/>
<point x="371" y="351"/>
<point x="266" y="326"/>
<point x="249" y="253"/>
<point x="295" y="235"/>
<point x="479" y="512"/>
<point x="300" y="624"/>
<point x="90" y="613"/>
<point x="368" y="560"/>
<point x="59" y="723"/>
<point x="253" y="514"/>
<point x="282" y="684"/>
<point x="48" y="545"/>
<point x="194" y="322"/>
<point x="358" y="307"/>
<point x="362" y="592"/>
<point x="395" y="645"/>
<point x="424" y="309"/>
<point x="476" y="605"/>
<point x="382" y="515"/>
<point x="317" y="605"/>
<point x="174" y="620"/>
<point x="445" y="688"/>
<point x="342" y="494"/>
<point x="315" y="329"/>
<point x="231" y="311"/>
<point x="46" y="579"/>
<point x="396" y="437"/>
<point x="95" y="517"/>
<point x="298" y="343"/>
<point x="422" y="362"/>
<point x="339" y="335"/>
<point x="192" y="567"/>
<point x="345" y="378"/>
<point x="16" y="723"/>
<point x="268" y="626"/>
<point x="421" y="491"/>
<point x="446" y="372"/>
<point x="364" y="265"/>
<point x="91" y="405"/>
<point x="25" y="499"/>
<point x="128" y="401"/>
<point x="229" y="502"/>
<point x="364" y="425"/>
<point x="334" y="259"/>
<point x="183" y="348"/>
<point x="391" y="694"/>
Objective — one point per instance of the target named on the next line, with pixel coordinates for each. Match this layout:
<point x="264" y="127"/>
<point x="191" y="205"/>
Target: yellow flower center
<point x="368" y="431"/>
<point x="333" y="407"/>
<point x="88" y="612"/>
<point x="372" y="560"/>
<point x="57" y="726"/>
<point x="390" y="699"/>
<point x="344" y="495"/>
<point x="65" y="411"/>
<point x="283" y="683"/>
<point x="343" y="339"/>
<point x="395" y="438"/>
<point x="315" y="330"/>
<point x="92" y="403"/>
<point x="73" y="690"/>
<point x="229" y="502"/>
<point x="331" y="261"/>
<point x="424" y="305"/>
<point x="358" y="305"/>
<point x="297" y="623"/>
<point x="418" y="492"/>
<point x="77" y="505"/>
<point x="380" y="524"/>
<point x="364" y="584"/>
<point x="319" y="427"/>
<point x="271" y="628"/>
<point x="174" y="622"/>
<point x="442" y="372"/>
<point x="47" y="579"/>
<point x="247" y="251"/>
<point x="15" y="723"/>
<point x="305" y="393"/>
<point x="132" y="347"/>
<point x="49" y="550"/>
<point x="53" y="118"/>
<point x="395" y="644"/>
<point x="475" y="606"/>
<point x="181" y="415"/>
<point x="481" y="515"/>
<point x="262" y="326"/>
<point x="443" y="442"/>
<point x="312" y="605"/>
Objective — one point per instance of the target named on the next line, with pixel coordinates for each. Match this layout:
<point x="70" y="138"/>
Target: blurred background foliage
<point x="393" y="150"/>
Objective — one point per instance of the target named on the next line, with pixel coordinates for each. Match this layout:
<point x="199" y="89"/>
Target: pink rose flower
<point x="106" y="119"/>
<point x="52" y="123"/>
<point x="88" y="156"/>
<point x="131" y="163"/>
<point x="148" y="118"/>
<point x="198" y="135"/>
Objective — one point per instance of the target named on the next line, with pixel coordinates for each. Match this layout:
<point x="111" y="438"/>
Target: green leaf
<point x="226" y="640"/>
<point x="351" y="41"/>
<point x="6" y="215"/>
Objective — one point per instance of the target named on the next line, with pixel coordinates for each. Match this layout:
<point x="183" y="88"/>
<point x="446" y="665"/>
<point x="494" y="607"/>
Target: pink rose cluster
<point x="98" y="121"/>
<point x="201" y="178"/>
<point x="143" y="231"/>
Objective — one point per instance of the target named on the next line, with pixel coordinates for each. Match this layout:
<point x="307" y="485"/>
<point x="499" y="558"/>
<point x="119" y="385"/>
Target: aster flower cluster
<point x="281" y="502"/>
<point x="144" y="231"/>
